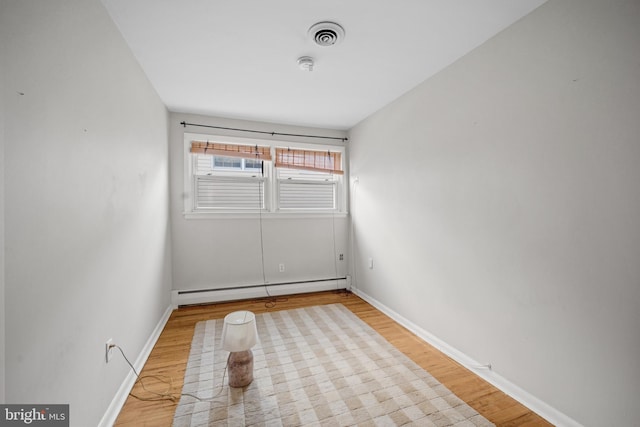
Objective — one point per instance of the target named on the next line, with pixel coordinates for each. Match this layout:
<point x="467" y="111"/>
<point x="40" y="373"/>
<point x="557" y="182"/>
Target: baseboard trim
<point x="232" y="293"/>
<point x="538" y="406"/>
<point x="110" y="416"/>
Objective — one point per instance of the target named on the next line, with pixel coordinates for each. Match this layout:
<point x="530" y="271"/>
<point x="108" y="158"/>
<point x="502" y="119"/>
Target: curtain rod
<point x="185" y="124"/>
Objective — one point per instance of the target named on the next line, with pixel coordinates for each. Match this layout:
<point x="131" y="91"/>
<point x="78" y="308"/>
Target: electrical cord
<point x="168" y="394"/>
<point x="342" y="292"/>
<point x="270" y="300"/>
<point x="354" y="267"/>
<point x="260" y="203"/>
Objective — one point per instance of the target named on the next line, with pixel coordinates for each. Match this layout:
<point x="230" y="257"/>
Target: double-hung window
<point x="308" y="180"/>
<point x="228" y="176"/>
<point x="263" y="176"/>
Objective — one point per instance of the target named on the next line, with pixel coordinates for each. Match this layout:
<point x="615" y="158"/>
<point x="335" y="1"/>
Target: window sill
<point x="263" y="215"/>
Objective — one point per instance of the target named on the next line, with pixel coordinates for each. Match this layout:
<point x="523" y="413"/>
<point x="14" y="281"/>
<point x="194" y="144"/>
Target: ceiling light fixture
<point x="305" y="63"/>
<point x="326" y="33"/>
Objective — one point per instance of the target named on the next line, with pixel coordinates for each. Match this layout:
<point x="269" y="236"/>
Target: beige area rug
<point x="316" y="366"/>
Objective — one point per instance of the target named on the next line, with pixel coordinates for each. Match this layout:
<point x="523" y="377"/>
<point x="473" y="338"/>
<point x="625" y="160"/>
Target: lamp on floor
<point x="239" y="334"/>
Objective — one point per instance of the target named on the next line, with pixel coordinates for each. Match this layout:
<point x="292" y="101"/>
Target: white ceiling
<point x="237" y="58"/>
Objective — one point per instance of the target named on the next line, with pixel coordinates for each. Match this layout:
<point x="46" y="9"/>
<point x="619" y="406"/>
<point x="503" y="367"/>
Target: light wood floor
<point x="169" y="357"/>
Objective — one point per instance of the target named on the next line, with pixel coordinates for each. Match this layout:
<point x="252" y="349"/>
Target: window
<point x="306" y="190"/>
<point x="234" y="164"/>
<point x="228" y="176"/>
<point x="243" y="177"/>
<point x="308" y="179"/>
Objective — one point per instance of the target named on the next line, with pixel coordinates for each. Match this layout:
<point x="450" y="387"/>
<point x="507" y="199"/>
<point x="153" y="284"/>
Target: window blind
<point x="222" y="193"/>
<point x="311" y="160"/>
<point x="203" y="165"/>
<point x="306" y="195"/>
<point x="231" y="150"/>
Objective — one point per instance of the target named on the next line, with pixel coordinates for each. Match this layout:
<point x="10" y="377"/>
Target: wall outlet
<point x="281" y="268"/>
<point x="108" y="350"/>
<point x="341" y="257"/>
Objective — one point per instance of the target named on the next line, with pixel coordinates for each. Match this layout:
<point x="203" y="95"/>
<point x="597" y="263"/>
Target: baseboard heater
<point x="232" y="293"/>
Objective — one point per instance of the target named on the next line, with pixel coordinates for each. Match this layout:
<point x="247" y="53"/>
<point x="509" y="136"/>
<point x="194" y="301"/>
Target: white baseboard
<point x="110" y="416"/>
<point x="205" y="296"/>
<point x="538" y="406"/>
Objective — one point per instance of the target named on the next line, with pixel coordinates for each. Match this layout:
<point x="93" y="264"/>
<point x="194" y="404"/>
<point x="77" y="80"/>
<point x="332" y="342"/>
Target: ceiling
<point x="238" y="58"/>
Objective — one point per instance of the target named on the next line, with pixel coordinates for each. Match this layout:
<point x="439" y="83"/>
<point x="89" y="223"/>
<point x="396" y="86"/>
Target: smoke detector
<point x="305" y="63"/>
<point x="326" y="33"/>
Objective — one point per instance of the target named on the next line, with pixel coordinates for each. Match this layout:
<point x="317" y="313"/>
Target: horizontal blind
<point x="229" y="193"/>
<point x="204" y="165"/>
<point x="311" y="160"/>
<point x="306" y="195"/>
<point x="231" y="150"/>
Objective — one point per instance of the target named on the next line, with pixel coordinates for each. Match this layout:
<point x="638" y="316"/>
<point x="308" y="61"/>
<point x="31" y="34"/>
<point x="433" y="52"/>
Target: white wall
<point x="2" y="304"/>
<point x="500" y="201"/>
<point x="220" y="253"/>
<point x="86" y="205"/>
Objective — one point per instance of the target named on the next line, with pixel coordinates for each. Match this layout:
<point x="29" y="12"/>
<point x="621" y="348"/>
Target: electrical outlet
<point x="108" y="350"/>
<point x="341" y="257"/>
<point x="281" y="268"/>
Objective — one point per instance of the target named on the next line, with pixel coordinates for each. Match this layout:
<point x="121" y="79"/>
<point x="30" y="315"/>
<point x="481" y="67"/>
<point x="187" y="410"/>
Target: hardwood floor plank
<point x="170" y="354"/>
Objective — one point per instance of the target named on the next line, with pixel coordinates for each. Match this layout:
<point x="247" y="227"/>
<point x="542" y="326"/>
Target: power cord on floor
<point x="344" y="293"/>
<point x="168" y="394"/>
<point x="271" y="301"/>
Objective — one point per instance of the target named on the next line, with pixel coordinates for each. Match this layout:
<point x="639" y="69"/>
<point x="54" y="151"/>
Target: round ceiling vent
<point x="326" y="33"/>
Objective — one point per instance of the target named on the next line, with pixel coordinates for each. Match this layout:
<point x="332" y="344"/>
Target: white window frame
<point x="271" y="187"/>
